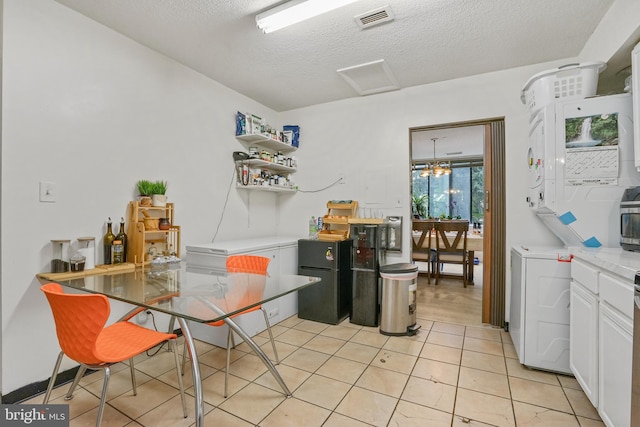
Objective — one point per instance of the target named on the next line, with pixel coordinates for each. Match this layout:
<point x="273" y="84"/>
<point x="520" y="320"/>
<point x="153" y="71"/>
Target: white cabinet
<point x="616" y="347"/>
<point x="583" y="339"/>
<point x="602" y="330"/>
<point x="271" y="170"/>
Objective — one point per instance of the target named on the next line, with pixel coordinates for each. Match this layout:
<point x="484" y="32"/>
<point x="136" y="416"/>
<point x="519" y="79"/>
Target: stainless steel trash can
<point x="398" y="305"/>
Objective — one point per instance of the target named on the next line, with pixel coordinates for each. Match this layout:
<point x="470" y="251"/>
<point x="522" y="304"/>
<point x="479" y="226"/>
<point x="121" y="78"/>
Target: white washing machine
<point x="539" y="322"/>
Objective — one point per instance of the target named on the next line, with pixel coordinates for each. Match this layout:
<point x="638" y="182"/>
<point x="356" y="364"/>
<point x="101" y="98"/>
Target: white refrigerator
<point x="539" y="322"/>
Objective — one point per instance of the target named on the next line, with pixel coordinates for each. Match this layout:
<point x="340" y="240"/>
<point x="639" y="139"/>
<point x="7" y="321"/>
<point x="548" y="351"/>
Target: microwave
<point x="630" y="219"/>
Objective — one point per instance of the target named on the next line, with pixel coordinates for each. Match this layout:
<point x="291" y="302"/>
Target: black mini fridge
<point x="330" y="300"/>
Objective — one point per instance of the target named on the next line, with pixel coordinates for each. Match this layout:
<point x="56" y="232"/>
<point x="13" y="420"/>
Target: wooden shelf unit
<point x="141" y="238"/>
<point x="335" y="224"/>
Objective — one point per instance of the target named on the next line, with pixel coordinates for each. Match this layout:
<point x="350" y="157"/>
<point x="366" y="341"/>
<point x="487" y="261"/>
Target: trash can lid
<point x="402" y="267"/>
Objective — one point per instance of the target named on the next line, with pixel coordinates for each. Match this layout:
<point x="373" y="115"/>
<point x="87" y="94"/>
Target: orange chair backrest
<point x="79" y="320"/>
<point x="248" y="264"/>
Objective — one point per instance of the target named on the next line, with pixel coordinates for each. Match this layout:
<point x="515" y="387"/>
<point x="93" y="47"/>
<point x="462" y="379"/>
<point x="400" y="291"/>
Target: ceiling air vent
<point x="374" y="17"/>
<point x="369" y="78"/>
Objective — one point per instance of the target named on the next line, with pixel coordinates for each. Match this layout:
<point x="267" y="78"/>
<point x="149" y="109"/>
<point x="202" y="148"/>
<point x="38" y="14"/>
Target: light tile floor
<point x="452" y="373"/>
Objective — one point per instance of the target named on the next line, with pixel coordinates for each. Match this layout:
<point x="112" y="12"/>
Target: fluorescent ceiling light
<point x="295" y="11"/>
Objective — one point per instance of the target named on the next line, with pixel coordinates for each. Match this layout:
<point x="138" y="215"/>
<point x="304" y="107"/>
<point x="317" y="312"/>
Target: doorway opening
<point x="457" y="173"/>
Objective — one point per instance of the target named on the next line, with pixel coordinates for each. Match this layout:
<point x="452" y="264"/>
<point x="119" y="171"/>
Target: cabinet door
<point x="583" y="340"/>
<point x="616" y="348"/>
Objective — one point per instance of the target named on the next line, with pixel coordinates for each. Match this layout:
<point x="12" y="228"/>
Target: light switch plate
<point x="47" y="192"/>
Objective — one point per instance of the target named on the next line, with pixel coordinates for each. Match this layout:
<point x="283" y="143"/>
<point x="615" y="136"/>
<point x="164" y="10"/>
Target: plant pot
<point x="145" y="200"/>
<point x="159" y="200"/>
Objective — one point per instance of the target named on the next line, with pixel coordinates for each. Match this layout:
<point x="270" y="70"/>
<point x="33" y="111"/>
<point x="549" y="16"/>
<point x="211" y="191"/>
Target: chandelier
<point x="436" y="168"/>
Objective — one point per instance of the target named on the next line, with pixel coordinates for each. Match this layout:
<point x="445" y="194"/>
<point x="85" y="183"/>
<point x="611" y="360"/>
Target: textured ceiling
<point x="428" y="41"/>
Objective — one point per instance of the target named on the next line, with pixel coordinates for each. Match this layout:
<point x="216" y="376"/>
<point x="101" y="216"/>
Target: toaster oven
<point x="630" y="219"/>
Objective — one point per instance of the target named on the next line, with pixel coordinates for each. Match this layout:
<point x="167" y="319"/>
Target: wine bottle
<point x="108" y="239"/>
<point x="122" y="236"/>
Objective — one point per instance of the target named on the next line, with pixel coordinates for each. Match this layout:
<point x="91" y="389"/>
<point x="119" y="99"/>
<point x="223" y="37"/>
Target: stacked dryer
<point x="580" y="160"/>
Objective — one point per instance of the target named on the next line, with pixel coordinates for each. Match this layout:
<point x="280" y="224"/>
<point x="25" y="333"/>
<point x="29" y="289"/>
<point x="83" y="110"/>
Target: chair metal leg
<point x="195" y="371"/>
<point x="174" y="348"/>
<point x="133" y="377"/>
<point x="184" y="355"/>
<point x="103" y="396"/>
<point x="81" y="370"/>
<point x="52" y="381"/>
<point x="226" y="372"/>
<point x="233" y="340"/>
<point x="273" y="343"/>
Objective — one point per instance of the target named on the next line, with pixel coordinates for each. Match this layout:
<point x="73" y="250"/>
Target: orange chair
<point x="80" y="325"/>
<point x="242" y="264"/>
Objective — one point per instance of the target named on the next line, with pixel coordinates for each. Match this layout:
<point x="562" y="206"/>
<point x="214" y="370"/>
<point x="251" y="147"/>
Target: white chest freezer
<point x="283" y="252"/>
<point x="214" y="255"/>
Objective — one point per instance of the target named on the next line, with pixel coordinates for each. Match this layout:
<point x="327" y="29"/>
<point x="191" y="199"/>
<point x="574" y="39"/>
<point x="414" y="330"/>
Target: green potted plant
<point x="419" y="206"/>
<point x="145" y="188"/>
<point x="158" y="190"/>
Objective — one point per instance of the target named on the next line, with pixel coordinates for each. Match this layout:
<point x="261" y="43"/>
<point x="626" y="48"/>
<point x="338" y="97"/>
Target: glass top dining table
<point x="191" y="294"/>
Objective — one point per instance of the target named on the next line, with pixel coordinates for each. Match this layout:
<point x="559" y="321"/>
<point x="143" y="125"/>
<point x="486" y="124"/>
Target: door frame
<point x="494" y="276"/>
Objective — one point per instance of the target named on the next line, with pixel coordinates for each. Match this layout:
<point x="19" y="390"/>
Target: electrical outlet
<point x="342" y="178"/>
<point x="398" y="203"/>
<point x="274" y="313"/>
<point x="142" y="317"/>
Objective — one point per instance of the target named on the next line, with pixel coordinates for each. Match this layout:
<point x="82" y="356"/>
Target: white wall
<point x="94" y="112"/>
<point x="368" y="139"/>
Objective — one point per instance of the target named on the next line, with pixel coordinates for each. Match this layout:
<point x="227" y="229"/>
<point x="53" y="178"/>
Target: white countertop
<point x="616" y="260"/>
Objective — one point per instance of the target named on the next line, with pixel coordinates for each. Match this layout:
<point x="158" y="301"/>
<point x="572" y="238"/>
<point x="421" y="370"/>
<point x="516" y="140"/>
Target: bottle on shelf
<point x="108" y="239"/>
<point x="122" y="236"/>
<point x="313" y="230"/>
<point x="117" y="252"/>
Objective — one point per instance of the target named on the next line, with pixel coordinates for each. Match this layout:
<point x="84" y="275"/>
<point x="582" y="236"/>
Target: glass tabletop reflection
<point x="193" y="293"/>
